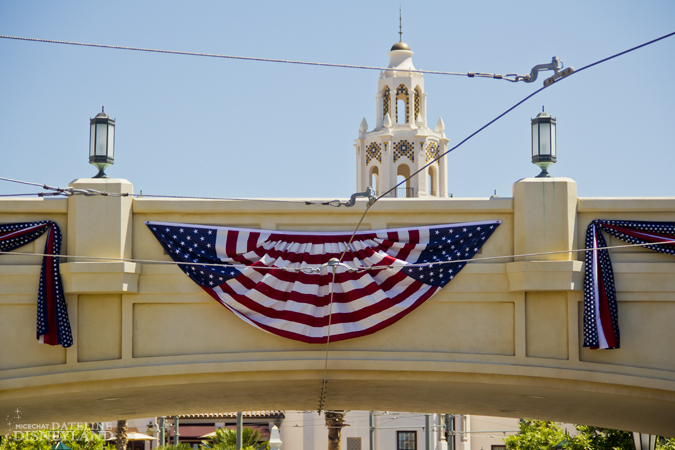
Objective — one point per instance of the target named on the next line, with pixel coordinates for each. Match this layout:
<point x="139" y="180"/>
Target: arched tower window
<point x="400" y="105"/>
<point x="386" y="96"/>
<point x="374" y="178"/>
<point x="403" y="173"/>
<point x="433" y="181"/>
<point x="402" y="94"/>
<point x="418" y="93"/>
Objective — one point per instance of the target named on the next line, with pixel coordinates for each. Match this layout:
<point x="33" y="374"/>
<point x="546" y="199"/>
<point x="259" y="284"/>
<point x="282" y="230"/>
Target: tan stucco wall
<point x="503" y="333"/>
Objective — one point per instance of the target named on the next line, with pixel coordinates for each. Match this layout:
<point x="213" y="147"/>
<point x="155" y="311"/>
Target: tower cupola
<point x="401" y="141"/>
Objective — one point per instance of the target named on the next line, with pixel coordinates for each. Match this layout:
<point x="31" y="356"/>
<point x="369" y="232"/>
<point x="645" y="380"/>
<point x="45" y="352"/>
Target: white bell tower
<point x="401" y="142"/>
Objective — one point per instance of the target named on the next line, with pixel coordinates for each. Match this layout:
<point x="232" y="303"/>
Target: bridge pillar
<point x="100" y="225"/>
<point x="545" y="212"/>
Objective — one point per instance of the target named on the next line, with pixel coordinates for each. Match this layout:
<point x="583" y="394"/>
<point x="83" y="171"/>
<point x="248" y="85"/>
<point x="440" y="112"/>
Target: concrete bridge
<point x="504" y="338"/>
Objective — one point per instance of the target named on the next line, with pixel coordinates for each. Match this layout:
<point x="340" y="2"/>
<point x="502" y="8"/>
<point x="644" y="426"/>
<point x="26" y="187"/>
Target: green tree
<point x="28" y="440"/>
<point x="83" y="438"/>
<point x="541" y="435"/>
<point x="536" y="435"/>
<point x="226" y="439"/>
<point x="594" y="438"/>
<point x="666" y="444"/>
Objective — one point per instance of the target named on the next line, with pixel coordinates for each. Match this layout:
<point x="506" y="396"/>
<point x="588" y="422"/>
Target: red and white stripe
<point x="297" y="305"/>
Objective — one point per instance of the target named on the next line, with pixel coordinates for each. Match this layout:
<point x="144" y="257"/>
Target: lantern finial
<point x="544" y="152"/>
<point x="102" y="142"/>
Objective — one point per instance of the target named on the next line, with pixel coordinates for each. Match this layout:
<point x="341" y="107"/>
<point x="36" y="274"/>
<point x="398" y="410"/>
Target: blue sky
<point x="225" y="128"/>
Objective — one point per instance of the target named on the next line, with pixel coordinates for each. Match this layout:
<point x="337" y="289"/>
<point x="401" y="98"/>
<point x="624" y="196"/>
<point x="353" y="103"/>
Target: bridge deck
<point x="504" y="338"/>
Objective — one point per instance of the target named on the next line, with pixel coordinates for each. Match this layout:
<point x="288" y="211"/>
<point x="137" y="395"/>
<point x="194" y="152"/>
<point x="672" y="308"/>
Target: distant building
<point x="306" y="430"/>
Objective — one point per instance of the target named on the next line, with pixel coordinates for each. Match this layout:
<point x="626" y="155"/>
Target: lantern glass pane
<point x="92" y="140"/>
<point x="101" y="138"/>
<point x="553" y="143"/>
<point x="111" y="141"/>
<point x="544" y="139"/>
<point x="535" y="140"/>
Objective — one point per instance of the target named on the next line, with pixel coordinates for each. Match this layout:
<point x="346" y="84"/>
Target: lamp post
<point x="102" y="142"/>
<point x="543" y="142"/>
<point x="161" y="427"/>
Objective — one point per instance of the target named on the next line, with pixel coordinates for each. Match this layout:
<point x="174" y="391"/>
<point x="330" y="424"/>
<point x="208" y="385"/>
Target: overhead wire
<point x="21" y="195"/>
<point x="548" y="84"/>
<point x="463" y="141"/>
<point x="322" y="396"/>
<point x="69" y="191"/>
<point x="44" y="186"/>
<point x="271" y="60"/>
<point x="316" y="269"/>
<point x="324" y="382"/>
<point x="270" y="200"/>
<point x="588" y="66"/>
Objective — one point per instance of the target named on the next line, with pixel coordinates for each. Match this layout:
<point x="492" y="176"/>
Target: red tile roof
<point x="233" y="415"/>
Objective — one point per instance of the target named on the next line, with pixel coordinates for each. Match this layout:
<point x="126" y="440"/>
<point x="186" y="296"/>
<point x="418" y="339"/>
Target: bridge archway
<point x="504" y="338"/>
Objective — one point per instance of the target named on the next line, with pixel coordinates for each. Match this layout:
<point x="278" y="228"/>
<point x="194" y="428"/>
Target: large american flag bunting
<point x="278" y="281"/>
<point x="601" y="319"/>
<point x="53" y="325"/>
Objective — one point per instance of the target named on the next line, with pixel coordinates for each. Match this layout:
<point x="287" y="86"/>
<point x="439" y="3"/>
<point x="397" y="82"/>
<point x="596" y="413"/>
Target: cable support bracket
<point x="69" y="192"/>
<point x="352" y="201"/>
<point x="556" y="65"/>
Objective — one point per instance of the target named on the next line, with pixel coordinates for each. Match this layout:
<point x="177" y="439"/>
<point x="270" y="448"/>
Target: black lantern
<point x="102" y="142"/>
<point x="644" y="441"/>
<point x="543" y="142"/>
